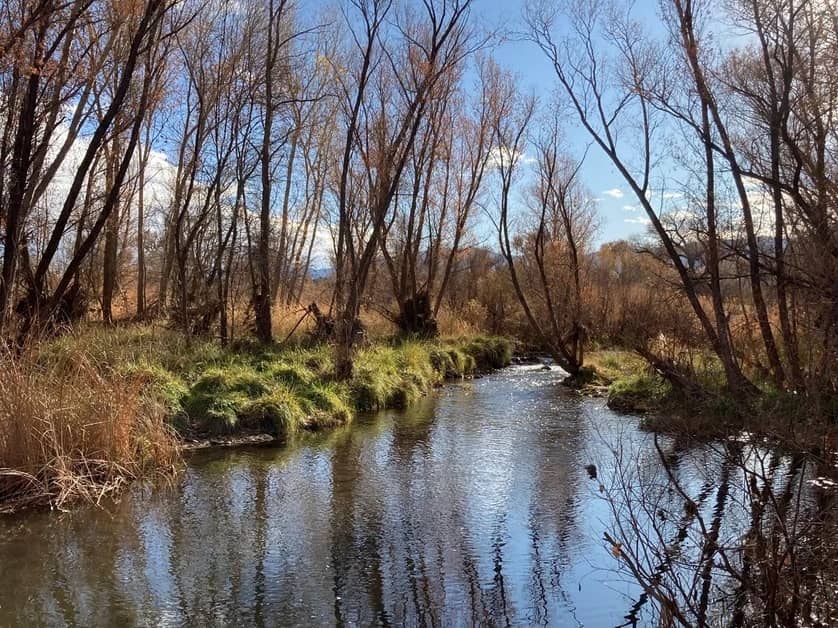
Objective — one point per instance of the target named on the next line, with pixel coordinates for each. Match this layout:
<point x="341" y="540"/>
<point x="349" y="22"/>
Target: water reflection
<point x="472" y="508"/>
<point x="730" y="533"/>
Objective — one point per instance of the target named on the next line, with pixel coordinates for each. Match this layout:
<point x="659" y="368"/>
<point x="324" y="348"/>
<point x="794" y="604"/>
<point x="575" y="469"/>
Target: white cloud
<point x="680" y="215"/>
<point x="630" y="208"/>
<point x="639" y="220"/>
<point x="504" y="156"/>
<point x="159" y="183"/>
<point x="614" y="193"/>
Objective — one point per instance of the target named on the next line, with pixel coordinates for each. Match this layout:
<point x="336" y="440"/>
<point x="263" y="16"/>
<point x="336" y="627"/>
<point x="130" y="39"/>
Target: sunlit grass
<point x="85" y="412"/>
<point x="70" y="430"/>
<point x="205" y="389"/>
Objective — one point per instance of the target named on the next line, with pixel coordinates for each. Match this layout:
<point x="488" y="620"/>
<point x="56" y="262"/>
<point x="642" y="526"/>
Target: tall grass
<point x="72" y="430"/>
<point x="84" y="413"/>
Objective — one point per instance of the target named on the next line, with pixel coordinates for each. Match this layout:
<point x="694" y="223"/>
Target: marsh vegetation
<point x="228" y="221"/>
<point x="93" y="409"/>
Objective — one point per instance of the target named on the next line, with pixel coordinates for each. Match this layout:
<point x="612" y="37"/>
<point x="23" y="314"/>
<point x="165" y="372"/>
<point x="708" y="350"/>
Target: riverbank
<point x="631" y="386"/>
<point x="84" y="414"/>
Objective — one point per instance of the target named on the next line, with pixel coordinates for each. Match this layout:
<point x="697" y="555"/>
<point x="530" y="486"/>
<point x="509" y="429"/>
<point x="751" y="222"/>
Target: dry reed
<point x="71" y="430"/>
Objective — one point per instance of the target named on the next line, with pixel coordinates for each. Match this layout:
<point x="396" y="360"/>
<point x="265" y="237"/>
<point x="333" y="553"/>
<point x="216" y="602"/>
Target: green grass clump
<point x="318" y="360"/>
<point x="293" y="374"/>
<point x="452" y="362"/>
<point x="395" y="377"/>
<point x="489" y="353"/>
<point x="328" y="404"/>
<point x="282" y="398"/>
<point x="161" y="386"/>
<point x="465" y="363"/>
<point x="375" y="379"/>
<point x="404" y="395"/>
<point x="219" y="396"/>
<point x="638" y="392"/>
<point x="442" y="361"/>
<point x="414" y="362"/>
<point x="279" y="411"/>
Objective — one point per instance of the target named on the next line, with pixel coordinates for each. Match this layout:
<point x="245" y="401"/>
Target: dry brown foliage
<point x="70" y="430"/>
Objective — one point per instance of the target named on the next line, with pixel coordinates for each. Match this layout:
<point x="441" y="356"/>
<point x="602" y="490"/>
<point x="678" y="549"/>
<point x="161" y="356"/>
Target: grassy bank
<point x="628" y="381"/>
<point x="632" y="386"/>
<point x="84" y="413"/>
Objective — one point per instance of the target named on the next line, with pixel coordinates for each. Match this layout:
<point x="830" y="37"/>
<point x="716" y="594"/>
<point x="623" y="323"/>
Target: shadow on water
<point x="471" y="508"/>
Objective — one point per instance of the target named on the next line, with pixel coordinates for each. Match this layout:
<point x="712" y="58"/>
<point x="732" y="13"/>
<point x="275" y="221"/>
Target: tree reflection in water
<point x="725" y="534"/>
<point x="472" y="508"/>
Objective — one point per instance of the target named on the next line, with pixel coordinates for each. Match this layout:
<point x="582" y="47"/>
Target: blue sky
<point x="619" y="214"/>
<point x="536" y="75"/>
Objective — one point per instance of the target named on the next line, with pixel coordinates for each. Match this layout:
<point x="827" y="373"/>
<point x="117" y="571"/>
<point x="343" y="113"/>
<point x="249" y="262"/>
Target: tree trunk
<point x="109" y="267"/>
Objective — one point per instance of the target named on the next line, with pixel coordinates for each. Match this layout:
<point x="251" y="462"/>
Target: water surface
<point x="471" y="508"/>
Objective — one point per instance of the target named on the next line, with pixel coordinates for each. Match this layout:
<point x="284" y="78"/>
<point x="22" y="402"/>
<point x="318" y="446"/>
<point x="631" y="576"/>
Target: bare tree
<point x="423" y="242"/>
<point x="389" y="96"/>
<point x="643" y="94"/>
<point x="546" y="257"/>
<point x="138" y="29"/>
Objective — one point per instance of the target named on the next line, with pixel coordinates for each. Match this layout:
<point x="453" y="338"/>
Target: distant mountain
<point x="321" y="273"/>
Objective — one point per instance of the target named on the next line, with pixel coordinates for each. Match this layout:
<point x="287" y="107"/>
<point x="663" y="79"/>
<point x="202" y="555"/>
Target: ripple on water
<point x="471" y="508"/>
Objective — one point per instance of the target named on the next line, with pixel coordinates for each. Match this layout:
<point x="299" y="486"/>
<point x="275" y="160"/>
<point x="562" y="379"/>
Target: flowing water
<point x="472" y="508"/>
